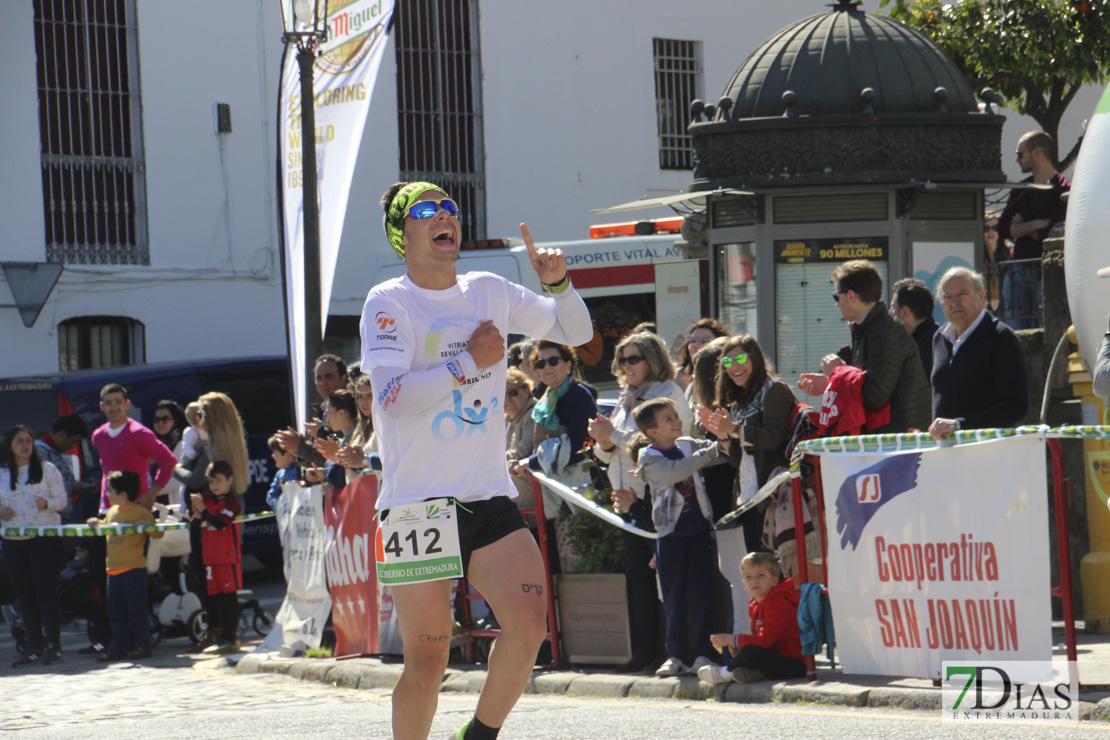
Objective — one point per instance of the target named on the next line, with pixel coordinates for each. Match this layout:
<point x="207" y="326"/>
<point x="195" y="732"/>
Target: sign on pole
<point x="344" y="79"/>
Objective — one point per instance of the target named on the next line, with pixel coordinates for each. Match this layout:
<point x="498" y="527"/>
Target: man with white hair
<point x="979" y="378"/>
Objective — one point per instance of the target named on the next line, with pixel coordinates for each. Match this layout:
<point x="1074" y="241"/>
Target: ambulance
<point x="627" y="273"/>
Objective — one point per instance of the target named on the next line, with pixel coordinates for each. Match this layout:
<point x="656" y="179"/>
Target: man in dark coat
<point x="979" y="378"/>
<point x="911" y="302"/>
<point x="881" y="347"/>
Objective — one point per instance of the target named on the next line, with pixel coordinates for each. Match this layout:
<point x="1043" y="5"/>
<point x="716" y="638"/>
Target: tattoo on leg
<point x="433" y="639"/>
<point x="527" y="587"/>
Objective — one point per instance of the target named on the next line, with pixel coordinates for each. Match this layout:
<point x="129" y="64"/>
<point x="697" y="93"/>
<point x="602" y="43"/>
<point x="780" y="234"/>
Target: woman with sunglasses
<point x="753" y="407"/>
<point x="433" y="343"/>
<point x="566" y="407"/>
<point x="645" y="371"/>
<point x="701" y="333"/>
<point x="168" y="424"/>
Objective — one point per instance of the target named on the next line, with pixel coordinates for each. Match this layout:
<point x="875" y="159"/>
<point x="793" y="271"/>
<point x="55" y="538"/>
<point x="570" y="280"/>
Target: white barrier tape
<point x="877" y="443"/>
<point x="576" y="499"/>
<point x="84" y="530"/>
<point x="768" y="488"/>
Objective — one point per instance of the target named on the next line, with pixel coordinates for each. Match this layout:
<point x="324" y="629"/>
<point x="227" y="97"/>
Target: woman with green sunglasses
<point x="753" y="407"/>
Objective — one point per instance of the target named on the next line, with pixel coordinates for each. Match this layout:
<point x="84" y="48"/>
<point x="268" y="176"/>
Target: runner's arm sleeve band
<point x="406" y="392"/>
<point x="573" y="325"/>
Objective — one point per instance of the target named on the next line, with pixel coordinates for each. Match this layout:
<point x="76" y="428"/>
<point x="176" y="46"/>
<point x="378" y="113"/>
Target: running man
<point x="433" y="342"/>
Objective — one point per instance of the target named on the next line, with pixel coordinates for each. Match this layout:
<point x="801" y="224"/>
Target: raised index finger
<point x="527" y="236"/>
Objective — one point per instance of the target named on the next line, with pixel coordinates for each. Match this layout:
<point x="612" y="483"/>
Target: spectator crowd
<point x="695" y="432"/>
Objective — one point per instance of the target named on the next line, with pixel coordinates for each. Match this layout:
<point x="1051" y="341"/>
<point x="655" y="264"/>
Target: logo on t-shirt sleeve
<point x="387" y="324"/>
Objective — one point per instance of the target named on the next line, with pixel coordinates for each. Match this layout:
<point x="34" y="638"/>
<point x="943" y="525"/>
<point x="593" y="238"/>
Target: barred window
<point x="94" y="193"/>
<point x="100" y="341"/>
<point x="439" y="103"/>
<point x="677" y="77"/>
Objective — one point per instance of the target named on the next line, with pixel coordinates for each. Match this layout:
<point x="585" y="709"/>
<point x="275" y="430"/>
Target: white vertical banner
<point x="939" y="555"/>
<point x="344" y="76"/>
<point x="307" y="604"/>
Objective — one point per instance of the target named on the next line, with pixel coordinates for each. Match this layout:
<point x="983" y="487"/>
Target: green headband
<point x="399" y="207"/>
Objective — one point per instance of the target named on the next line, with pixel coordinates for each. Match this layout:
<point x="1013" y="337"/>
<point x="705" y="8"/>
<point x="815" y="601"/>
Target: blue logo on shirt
<point x="462" y="421"/>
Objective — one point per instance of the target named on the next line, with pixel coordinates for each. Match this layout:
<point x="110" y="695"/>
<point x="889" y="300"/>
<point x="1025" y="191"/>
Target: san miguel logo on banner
<point x="938" y="556"/>
<point x="343" y="81"/>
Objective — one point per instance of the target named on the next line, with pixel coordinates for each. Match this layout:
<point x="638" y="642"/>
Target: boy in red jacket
<point x="221" y="554"/>
<point x="774" y="648"/>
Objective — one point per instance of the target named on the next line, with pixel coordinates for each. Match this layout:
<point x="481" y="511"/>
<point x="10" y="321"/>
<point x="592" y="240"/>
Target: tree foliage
<point x="1037" y="53"/>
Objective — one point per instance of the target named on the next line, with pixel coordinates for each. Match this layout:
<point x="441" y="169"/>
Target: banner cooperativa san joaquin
<point x="939" y="555"/>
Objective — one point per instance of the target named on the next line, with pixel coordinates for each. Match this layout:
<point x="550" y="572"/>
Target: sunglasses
<point x="739" y="359"/>
<point x="515" y="391"/>
<point x="541" y="363"/>
<point x="836" y="295"/>
<point x="429" y="208"/>
<point x="991" y="229"/>
<point x="160" y="419"/>
<point x="633" y="360"/>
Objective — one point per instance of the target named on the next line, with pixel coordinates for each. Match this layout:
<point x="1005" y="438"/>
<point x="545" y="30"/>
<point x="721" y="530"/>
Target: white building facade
<point x="116" y="165"/>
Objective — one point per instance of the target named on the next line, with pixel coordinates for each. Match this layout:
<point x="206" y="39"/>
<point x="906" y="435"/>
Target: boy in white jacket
<point x="670" y="464"/>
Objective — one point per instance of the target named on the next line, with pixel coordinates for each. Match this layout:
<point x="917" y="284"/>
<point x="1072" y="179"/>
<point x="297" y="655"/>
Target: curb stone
<point x="653" y="688"/>
<point x="905" y="698"/>
<point x="824" y="693"/>
<point x="249" y="664"/>
<point x="464" y="681"/>
<point x="312" y="670"/>
<point x="379" y="677"/>
<point x="1101" y="711"/>
<point x="553" y="683"/>
<point x="755" y="692"/>
<point x="345" y="676"/>
<point x="688" y="688"/>
<point x="601" y="685"/>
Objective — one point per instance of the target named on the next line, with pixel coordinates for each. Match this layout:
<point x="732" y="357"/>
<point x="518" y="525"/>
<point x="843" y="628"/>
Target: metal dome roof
<point x="847" y="62"/>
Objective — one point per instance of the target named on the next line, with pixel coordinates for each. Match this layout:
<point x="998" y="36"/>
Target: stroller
<point x="177" y="601"/>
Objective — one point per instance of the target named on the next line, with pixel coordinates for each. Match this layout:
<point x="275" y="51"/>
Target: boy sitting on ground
<point x="774" y="648"/>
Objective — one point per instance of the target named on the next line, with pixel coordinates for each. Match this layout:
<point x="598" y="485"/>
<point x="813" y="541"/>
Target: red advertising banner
<point x="361" y="613"/>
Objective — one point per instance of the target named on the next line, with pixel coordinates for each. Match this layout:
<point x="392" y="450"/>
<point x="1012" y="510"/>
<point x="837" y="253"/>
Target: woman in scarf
<point x="645" y="371"/>
<point x="565" y="408"/>
<point x="759" y="407"/>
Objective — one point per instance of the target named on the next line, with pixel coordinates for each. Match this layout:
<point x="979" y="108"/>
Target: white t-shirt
<point x="457" y="446"/>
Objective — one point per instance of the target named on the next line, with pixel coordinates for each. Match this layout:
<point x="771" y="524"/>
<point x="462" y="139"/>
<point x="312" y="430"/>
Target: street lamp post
<point x="306" y="25"/>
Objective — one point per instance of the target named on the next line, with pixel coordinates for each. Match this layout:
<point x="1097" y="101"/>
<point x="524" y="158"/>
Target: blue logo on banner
<point x="862" y="494"/>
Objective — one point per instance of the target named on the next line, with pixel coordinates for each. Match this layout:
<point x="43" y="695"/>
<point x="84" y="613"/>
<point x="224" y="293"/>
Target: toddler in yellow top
<point x="128" y="610"/>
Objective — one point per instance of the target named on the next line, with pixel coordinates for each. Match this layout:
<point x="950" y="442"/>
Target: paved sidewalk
<point x="832" y="686"/>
